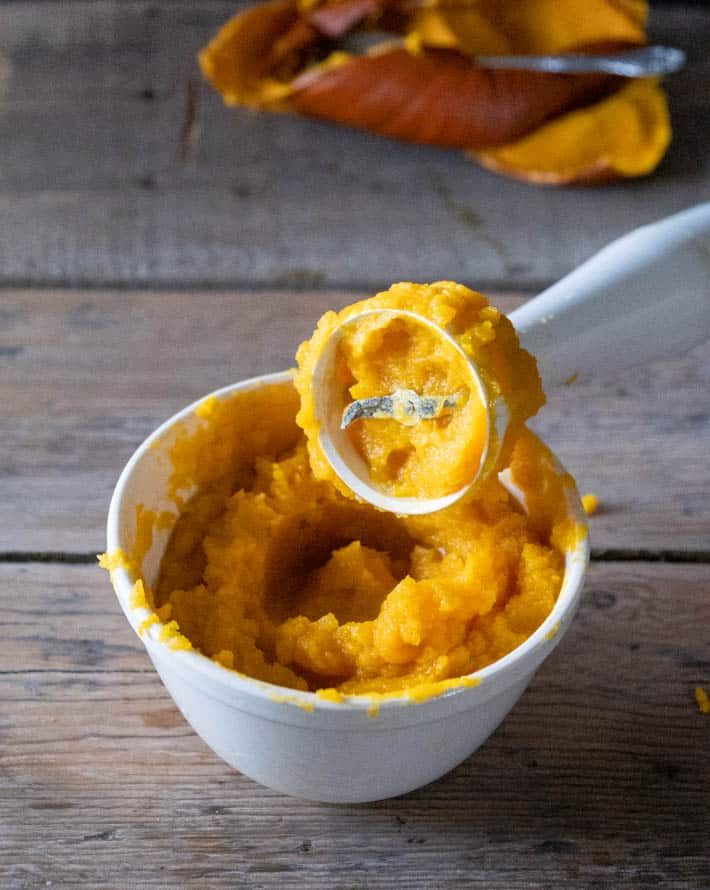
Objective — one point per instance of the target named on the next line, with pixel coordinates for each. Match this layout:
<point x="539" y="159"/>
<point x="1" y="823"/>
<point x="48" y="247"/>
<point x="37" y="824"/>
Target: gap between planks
<point x="606" y="554"/>
<point x="296" y="283"/>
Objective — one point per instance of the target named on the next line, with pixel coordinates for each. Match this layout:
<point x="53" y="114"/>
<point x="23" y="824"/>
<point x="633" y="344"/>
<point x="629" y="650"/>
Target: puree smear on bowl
<point x="273" y="570"/>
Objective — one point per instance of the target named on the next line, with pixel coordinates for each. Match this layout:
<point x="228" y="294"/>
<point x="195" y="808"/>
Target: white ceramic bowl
<point x="297" y="743"/>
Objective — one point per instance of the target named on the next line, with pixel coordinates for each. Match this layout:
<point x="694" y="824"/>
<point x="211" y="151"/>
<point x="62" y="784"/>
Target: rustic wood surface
<point x="85" y="376"/>
<point x="120" y="170"/>
<point x="597" y="779"/>
<point x="119" y="166"/>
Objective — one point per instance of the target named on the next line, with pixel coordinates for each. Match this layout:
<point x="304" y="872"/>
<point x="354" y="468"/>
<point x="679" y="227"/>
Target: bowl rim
<point x="544" y="638"/>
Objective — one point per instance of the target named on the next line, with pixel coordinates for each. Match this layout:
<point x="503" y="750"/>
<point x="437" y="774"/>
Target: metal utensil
<point x="643" y="61"/>
<point x="404" y="405"/>
<point x="646" y="61"/>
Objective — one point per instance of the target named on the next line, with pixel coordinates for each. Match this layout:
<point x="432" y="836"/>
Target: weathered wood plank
<point x="95" y="188"/>
<point x="85" y="376"/>
<point x="598" y="777"/>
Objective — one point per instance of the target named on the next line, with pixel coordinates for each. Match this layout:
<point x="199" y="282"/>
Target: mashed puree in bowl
<point x="274" y="571"/>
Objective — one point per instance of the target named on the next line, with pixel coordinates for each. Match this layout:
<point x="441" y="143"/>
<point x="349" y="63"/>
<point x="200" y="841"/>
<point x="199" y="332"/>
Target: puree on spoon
<point x="273" y="570"/>
<point x="439" y="366"/>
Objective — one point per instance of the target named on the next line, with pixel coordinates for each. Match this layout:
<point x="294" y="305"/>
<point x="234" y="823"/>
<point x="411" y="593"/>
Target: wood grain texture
<point x="85" y="376"/>
<point x="119" y="166"/>
<point x="597" y="779"/>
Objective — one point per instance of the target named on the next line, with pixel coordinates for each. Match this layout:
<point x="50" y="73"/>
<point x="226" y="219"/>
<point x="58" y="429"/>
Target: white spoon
<point x="643" y="296"/>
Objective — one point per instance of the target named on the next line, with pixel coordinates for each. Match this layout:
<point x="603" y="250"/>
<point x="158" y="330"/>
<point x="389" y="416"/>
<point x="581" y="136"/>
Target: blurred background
<point x="119" y="165"/>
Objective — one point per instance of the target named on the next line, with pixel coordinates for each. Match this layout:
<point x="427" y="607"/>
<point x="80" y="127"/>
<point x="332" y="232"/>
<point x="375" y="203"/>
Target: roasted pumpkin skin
<point x="422" y="84"/>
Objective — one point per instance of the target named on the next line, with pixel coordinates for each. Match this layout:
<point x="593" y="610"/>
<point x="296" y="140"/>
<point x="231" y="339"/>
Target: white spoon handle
<point x="643" y="296"/>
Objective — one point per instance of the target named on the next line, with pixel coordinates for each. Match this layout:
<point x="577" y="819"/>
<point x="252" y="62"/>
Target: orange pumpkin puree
<point x="590" y="502"/>
<point x="702" y="699"/>
<point x="274" y="572"/>
<point x="380" y="353"/>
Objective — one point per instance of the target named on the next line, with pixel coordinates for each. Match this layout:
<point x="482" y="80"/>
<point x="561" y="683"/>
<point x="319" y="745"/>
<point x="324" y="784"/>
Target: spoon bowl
<point x="331" y="404"/>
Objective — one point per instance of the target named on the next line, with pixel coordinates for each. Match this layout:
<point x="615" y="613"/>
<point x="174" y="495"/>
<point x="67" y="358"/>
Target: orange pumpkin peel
<point x="416" y="78"/>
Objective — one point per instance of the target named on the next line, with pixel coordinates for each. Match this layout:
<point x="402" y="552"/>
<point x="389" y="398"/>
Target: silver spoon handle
<point x="647" y="61"/>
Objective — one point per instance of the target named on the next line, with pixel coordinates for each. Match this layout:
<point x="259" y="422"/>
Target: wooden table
<point x="154" y="246"/>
